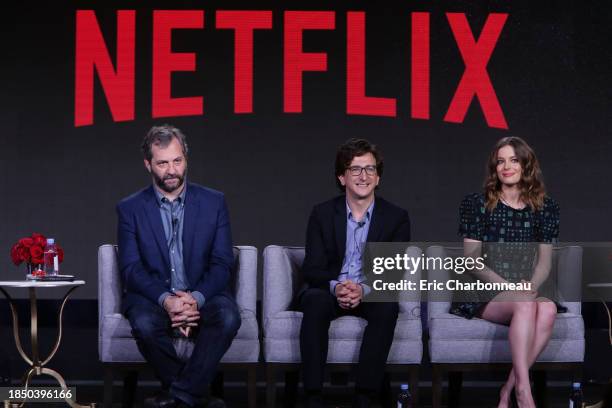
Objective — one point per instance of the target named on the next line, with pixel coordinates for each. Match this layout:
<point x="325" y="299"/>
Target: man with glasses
<point x="175" y="258"/>
<point x="337" y="233"/>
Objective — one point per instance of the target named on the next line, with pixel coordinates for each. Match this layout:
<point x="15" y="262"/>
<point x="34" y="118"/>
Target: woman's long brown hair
<point x="531" y="184"/>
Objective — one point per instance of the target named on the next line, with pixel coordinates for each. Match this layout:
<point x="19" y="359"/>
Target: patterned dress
<point x="509" y="237"/>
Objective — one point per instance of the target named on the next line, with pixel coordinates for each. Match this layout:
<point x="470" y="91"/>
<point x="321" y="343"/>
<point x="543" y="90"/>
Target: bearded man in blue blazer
<point x="175" y="258"/>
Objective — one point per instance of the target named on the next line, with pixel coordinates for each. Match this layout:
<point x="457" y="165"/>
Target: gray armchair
<point x="282" y="281"/>
<point x="457" y="344"/>
<point x="118" y="350"/>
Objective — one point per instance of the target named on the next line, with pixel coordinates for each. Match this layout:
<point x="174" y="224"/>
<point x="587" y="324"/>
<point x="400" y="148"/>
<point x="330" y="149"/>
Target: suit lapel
<point x="340" y="225"/>
<point x="154" y="217"/>
<point x="377" y="223"/>
<point x="192" y="209"/>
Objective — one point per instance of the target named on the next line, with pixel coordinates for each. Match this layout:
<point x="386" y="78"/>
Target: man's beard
<point x="169" y="189"/>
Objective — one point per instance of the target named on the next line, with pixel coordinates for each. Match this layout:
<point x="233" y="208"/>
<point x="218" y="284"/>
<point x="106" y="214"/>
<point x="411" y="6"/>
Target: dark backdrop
<point x="550" y="70"/>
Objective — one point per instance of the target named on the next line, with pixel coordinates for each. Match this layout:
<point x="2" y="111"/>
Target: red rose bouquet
<point x="30" y="250"/>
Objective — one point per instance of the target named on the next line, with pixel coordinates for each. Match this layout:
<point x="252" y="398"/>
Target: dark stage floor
<point x="77" y="360"/>
<point x="473" y="395"/>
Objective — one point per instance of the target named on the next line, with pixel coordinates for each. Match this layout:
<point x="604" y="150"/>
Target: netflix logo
<point x="117" y="73"/>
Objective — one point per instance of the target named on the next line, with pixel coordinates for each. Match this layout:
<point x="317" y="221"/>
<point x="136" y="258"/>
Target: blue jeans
<point x="219" y="322"/>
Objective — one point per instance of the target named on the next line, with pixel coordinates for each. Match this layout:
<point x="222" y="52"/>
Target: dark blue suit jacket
<point x="143" y="251"/>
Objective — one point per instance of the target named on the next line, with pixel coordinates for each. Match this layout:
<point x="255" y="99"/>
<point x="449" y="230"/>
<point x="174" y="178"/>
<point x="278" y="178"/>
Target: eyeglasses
<point x="357" y="170"/>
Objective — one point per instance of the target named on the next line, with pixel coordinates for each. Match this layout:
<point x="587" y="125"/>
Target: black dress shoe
<point x="361" y="401"/>
<point x="214" y="402"/>
<point x="314" y="401"/>
<point x="162" y="400"/>
<point x="513" y="401"/>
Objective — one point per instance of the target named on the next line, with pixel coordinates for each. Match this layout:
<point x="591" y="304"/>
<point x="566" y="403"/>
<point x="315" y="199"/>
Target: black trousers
<point x="320" y="307"/>
<point x="219" y="322"/>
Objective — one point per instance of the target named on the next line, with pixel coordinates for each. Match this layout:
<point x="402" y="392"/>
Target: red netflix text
<point x="117" y="75"/>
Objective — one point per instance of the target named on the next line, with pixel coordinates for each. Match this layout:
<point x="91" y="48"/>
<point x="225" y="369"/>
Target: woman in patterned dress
<point x="513" y="209"/>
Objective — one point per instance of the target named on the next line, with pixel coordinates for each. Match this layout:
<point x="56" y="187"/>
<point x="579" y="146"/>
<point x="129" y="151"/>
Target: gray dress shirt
<point x="356" y="237"/>
<point x="172" y="215"/>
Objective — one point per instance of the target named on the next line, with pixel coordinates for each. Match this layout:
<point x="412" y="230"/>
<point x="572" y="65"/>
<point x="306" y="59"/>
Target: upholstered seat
<point x="457" y="344"/>
<point x="281" y="325"/>
<point x="117" y="346"/>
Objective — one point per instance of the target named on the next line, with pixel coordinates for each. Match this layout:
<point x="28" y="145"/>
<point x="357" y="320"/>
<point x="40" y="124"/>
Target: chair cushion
<point x="125" y="350"/>
<point x="117" y="345"/>
<point x="451" y="327"/>
<point x="498" y="351"/>
<point x="286" y="325"/>
<point x="282" y="339"/>
<point x="117" y="326"/>
<point x="454" y="339"/>
<point x="341" y="351"/>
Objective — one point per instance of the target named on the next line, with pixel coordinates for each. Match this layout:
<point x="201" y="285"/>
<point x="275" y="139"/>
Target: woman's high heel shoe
<point x="513" y="401"/>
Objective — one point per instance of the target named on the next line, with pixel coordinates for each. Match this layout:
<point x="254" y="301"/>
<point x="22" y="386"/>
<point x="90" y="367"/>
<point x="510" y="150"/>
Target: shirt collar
<point x="349" y="213"/>
<point x="161" y="199"/>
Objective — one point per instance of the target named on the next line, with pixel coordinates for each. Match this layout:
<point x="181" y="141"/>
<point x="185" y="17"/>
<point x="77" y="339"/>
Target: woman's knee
<point x="547" y="313"/>
<point x="525" y="308"/>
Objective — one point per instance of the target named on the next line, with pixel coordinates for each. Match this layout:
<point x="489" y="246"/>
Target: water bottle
<point x="50" y="258"/>
<point x="576" y="396"/>
<point x="404" y="399"/>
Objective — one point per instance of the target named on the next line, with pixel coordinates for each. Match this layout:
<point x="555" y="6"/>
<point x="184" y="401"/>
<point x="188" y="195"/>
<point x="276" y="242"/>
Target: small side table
<point x="36" y="363"/>
<point x="604" y="291"/>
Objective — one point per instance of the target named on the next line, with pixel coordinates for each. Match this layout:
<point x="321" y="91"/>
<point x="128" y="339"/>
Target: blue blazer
<point x="143" y="251"/>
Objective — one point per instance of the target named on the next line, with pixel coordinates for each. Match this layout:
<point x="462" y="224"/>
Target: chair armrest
<point x="109" y="281"/>
<point x="569" y="277"/>
<point x="410" y="300"/>
<point x="245" y="288"/>
<point x="438" y="302"/>
<point x="281" y="278"/>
